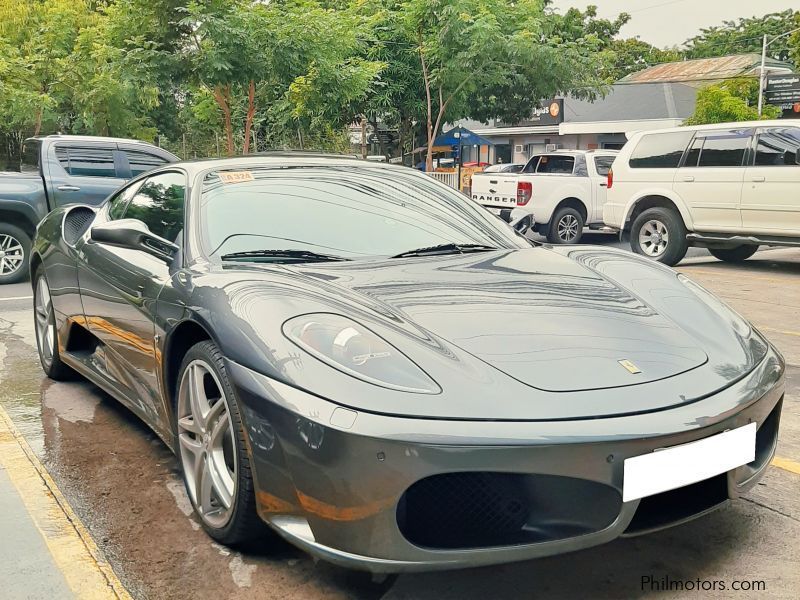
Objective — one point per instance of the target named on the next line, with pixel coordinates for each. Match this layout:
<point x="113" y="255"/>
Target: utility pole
<point x="762" y="76"/>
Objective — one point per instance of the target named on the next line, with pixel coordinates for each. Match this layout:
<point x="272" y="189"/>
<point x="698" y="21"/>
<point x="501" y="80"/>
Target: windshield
<point x="344" y="211"/>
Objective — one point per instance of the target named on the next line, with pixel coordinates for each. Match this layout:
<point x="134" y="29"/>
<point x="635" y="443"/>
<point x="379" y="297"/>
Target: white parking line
<point x="16" y="298"/>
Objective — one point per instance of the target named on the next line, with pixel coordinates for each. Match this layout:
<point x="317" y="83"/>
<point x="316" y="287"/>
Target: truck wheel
<point x="15" y="252"/>
<point x="566" y="226"/>
<point x="737" y="254"/>
<point x="659" y="233"/>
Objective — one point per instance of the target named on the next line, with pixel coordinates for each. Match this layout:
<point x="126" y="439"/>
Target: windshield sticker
<point x="235" y="176"/>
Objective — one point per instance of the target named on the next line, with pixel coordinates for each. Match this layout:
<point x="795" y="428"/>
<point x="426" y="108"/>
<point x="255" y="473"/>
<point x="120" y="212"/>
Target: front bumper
<point x="341" y="483"/>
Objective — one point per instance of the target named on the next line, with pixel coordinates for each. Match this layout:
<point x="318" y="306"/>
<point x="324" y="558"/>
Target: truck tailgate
<point x="495" y="190"/>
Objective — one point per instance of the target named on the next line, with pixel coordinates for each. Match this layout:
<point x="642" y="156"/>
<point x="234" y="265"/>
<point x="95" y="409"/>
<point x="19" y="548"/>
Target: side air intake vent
<point x="76" y="222"/>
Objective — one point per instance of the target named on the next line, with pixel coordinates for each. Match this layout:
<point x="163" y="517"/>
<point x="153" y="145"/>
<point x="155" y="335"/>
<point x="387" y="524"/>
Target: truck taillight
<point x="610" y="178"/>
<point x="524" y="192"/>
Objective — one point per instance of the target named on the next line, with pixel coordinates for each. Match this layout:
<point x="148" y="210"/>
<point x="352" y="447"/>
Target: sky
<point x="672" y="22"/>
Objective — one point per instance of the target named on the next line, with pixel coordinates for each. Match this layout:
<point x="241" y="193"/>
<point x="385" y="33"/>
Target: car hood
<point x="539" y="333"/>
<point x="537" y="316"/>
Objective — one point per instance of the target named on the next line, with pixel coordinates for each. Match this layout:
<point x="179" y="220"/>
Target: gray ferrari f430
<point x="391" y="377"/>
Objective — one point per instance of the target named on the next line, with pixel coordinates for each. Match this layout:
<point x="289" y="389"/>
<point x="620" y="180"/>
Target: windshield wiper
<point x="450" y="248"/>
<point x="293" y="255"/>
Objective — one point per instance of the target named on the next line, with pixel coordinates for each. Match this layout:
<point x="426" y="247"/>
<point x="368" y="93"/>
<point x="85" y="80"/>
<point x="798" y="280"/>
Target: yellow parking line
<point x="783" y="331"/>
<point x="786" y="464"/>
<point x="74" y="552"/>
<point x="727" y="273"/>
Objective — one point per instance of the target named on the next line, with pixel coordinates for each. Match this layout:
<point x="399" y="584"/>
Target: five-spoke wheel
<point x="205" y="437"/>
<point x="211" y="447"/>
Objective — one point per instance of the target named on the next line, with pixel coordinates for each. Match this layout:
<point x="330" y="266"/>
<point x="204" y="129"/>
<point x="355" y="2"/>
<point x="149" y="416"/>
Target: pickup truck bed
<point x="564" y="191"/>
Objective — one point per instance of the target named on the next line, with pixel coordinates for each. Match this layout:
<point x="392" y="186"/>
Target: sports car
<point x="391" y="377"/>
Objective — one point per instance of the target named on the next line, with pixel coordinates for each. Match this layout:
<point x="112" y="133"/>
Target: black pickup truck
<point x="57" y="170"/>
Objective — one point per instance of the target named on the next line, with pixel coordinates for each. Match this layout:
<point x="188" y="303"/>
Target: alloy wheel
<point x="205" y="436"/>
<point x="653" y="238"/>
<point x="45" y="325"/>
<point x="12" y="254"/>
<point x="567" y="228"/>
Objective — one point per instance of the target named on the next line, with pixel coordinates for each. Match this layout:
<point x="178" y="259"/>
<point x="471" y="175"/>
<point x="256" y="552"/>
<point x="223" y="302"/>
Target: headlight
<point x="739" y="324"/>
<point x="353" y="349"/>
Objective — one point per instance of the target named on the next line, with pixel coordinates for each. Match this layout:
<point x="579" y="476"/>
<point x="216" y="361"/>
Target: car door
<point x="86" y="173"/>
<point x="119" y="287"/>
<point x="710" y="179"/>
<point x="599" y="182"/>
<point x="771" y="191"/>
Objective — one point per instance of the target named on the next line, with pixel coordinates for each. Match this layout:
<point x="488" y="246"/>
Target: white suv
<point x="728" y="187"/>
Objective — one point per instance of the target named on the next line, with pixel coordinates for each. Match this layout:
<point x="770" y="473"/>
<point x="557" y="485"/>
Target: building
<point x="656" y="97"/>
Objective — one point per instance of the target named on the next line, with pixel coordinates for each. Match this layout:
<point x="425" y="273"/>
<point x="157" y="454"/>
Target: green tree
<point x="730" y="101"/>
<point x="623" y="57"/>
<point x="745" y="35"/>
<point x="487" y="58"/>
<point x="296" y="58"/>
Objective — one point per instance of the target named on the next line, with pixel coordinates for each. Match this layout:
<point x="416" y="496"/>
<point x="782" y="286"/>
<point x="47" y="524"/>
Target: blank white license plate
<point x="675" y="467"/>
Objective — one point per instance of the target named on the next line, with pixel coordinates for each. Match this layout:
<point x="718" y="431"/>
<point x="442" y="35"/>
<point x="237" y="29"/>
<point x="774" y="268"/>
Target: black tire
<point x="51" y="362"/>
<point x="566" y="226"/>
<point x="243" y="524"/>
<point x="674" y="246"/>
<point x="12" y="236"/>
<point x="734" y="255"/>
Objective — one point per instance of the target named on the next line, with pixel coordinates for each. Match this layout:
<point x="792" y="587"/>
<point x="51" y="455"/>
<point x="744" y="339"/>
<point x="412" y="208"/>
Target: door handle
<point x="493" y="181"/>
<point x="603" y="185"/>
<point x="688" y="178"/>
<point x="759" y="179"/>
<point x="68" y="188"/>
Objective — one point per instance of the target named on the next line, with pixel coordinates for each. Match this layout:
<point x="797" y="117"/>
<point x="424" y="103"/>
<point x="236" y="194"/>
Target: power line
<point x="644" y="8"/>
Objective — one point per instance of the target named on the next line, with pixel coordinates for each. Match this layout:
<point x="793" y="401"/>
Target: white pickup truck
<point x="564" y="191"/>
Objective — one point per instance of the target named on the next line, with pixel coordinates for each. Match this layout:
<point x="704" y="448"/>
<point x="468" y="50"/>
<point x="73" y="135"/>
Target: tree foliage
<point x="730" y="101"/>
<point x="745" y="35"/>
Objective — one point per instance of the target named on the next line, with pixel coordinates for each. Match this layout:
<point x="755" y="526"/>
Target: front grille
<point x="674" y="506"/>
<point x="484" y="509"/>
<point x="457" y="509"/>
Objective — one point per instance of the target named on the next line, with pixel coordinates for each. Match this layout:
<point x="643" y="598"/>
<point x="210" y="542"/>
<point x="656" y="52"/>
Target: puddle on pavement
<point x="125" y="485"/>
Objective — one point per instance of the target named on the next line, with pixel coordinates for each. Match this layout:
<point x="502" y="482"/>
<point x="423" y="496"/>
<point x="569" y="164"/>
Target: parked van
<point x="728" y="187"/>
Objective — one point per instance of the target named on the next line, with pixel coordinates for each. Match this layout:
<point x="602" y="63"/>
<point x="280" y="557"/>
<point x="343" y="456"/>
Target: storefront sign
<point x="783" y="90"/>
<point x="551" y="112"/>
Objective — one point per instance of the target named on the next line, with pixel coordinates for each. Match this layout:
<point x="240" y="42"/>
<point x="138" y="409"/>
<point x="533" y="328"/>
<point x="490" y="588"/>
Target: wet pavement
<point x="124" y="485"/>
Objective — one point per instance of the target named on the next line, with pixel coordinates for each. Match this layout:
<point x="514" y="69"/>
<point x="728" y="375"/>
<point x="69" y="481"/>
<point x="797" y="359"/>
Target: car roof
<point x="733" y="125"/>
<point x="277" y="159"/>
<point x="577" y="152"/>
<point x="90" y="138"/>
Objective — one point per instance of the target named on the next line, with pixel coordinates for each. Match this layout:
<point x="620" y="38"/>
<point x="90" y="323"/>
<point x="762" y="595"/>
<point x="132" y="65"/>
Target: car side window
<point x="87" y="161"/>
<point x="143" y="161"/>
<point x="159" y="204"/>
<point x="660" y="150"/>
<point x="530" y="167"/>
<point x="602" y="164"/>
<point x="556" y="165"/>
<point x="119" y="202"/>
<point x="778" y="147"/>
<point x="724" y="149"/>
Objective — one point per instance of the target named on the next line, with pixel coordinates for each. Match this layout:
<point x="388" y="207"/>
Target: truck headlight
<point x="357" y="351"/>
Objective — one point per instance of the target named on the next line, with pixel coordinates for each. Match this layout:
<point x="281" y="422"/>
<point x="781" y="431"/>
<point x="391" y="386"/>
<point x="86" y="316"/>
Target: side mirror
<point x="521" y="220"/>
<point x="134" y="234"/>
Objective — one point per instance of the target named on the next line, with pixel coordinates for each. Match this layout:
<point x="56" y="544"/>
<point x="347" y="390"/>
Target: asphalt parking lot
<point x="124" y="485"/>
